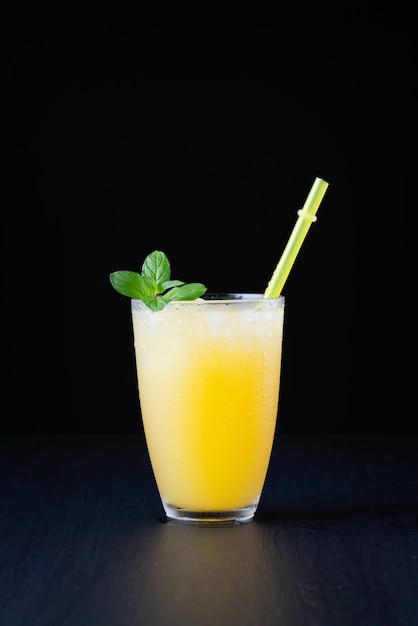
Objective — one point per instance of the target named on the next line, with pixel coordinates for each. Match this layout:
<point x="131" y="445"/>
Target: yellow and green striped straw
<point x="306" y="217"/>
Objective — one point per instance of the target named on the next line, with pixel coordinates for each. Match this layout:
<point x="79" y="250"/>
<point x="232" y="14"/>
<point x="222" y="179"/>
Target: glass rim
<point x="234" y="296"/>
<point x="210" y="298"/>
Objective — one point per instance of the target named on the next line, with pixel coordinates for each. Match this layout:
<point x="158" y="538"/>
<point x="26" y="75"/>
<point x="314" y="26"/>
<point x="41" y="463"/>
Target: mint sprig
<point x="154" y="286"/>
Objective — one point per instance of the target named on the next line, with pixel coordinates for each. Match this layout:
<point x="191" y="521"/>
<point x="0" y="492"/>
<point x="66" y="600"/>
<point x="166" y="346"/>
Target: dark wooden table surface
<point x="335" y="540"/>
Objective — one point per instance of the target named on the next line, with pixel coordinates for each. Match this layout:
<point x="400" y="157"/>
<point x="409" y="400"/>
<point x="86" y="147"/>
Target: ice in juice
<point x="208" y="378"/>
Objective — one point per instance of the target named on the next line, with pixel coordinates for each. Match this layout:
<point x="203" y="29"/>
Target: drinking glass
<point x="208" y="380"/>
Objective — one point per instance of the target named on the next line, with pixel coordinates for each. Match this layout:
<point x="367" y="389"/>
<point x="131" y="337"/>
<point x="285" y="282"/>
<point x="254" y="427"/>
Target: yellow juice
<point x="208" y="378"/>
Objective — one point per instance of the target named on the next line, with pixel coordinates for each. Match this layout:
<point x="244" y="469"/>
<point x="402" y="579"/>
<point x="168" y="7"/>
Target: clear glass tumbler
<point x="208" y="379"/>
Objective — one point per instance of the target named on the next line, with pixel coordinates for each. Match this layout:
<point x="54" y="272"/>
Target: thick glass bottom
<point x="209" y="518"/>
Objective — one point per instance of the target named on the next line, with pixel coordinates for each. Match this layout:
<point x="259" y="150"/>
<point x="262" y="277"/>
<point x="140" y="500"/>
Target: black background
<point x="123" y="135"/>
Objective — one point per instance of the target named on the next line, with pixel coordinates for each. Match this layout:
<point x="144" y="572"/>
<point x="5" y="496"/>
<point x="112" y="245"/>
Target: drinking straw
<point x="307" y="216"/>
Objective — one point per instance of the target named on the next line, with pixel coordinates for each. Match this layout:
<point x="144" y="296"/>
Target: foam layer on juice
<point x="208" y="385"/>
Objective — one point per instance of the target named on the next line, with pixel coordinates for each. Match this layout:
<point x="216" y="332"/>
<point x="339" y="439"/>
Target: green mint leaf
<point x="128" y="283"/>
<point x="172" y="283"/>
<point x="157" y="268"/>
<point x="155" y="303"/>
<point x="154" y="286"/>
<point x="186" y="292"/>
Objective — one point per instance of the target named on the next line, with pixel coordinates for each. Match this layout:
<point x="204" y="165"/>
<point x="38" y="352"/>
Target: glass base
<point x="210" y="518"/>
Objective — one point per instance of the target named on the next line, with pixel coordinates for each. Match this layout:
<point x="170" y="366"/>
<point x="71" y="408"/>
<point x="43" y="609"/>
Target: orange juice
<point x="208" y="378"/>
